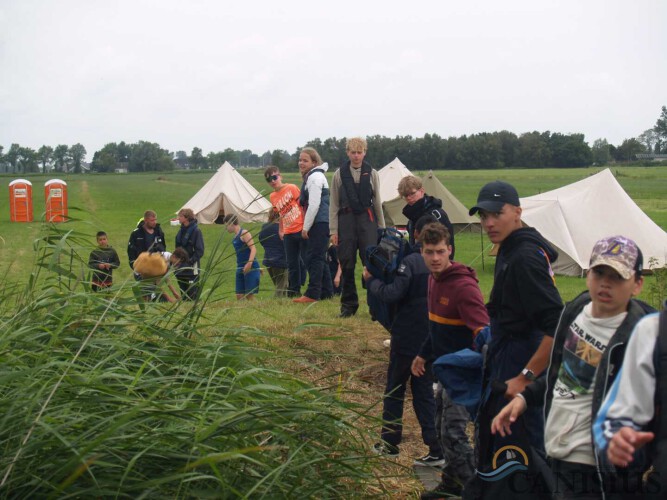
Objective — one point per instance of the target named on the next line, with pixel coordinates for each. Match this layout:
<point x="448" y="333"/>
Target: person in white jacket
<point x="315" y="202"/>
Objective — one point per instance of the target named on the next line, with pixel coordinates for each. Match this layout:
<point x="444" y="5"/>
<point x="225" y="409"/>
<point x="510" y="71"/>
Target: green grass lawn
<point x="114" y="203"/>
<point x="342" y="356"/>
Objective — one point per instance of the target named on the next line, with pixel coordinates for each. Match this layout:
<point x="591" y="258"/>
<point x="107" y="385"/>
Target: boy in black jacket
<point x="103" y="260"/>
<point x="409" y="329"/>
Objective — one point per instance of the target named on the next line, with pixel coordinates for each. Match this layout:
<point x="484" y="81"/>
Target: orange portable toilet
<point x="20" y="200"/>
<point x="55" y="200"/>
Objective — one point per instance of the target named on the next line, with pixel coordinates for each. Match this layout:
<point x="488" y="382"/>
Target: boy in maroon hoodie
<point x="456" y="314"/>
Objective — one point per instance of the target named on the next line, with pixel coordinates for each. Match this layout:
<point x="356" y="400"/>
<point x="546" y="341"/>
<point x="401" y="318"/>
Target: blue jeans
<point x="295" y="250"/>
<point x="320" y="284"/>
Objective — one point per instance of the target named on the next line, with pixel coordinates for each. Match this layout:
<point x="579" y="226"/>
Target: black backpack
<point x="383" y="259"/>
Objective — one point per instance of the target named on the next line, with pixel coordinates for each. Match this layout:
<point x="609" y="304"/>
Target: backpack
<point x="383" y="259"/>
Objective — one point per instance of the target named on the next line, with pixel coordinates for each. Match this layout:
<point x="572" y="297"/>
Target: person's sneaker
<point x="430" y="460"/>
<point x="386" y="342"/>
<point x="385" y="449"/>
<point x="447" y="488"/>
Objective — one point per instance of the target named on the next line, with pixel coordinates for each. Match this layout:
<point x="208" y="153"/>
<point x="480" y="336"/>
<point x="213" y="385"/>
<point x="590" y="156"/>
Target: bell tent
<point x="574" y="217"/>
<point x="227" y="192"/>
<point x="457" y="212"/>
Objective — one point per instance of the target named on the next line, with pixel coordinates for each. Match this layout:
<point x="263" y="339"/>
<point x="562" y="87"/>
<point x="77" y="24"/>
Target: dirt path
<point x="86" y="199"/>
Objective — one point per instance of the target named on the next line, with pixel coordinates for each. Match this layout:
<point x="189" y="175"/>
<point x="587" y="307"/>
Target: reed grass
<point x="103" y="398"/>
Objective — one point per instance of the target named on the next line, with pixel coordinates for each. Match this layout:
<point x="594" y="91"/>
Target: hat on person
<point x="494" y="195"/>
<point x="620" y="253"/>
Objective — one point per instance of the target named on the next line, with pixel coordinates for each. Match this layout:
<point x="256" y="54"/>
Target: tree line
<point x="487" y="150"/>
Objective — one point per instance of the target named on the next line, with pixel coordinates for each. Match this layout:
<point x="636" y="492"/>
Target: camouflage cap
<point x="620" y="253"/>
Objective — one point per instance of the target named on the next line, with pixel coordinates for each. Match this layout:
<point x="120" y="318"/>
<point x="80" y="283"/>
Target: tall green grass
<point x="100" y="397"/>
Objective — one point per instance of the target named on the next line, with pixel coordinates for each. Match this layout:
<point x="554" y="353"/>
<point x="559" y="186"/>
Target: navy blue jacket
<point x="408" y="292"/>
<point x="274" y="249"/>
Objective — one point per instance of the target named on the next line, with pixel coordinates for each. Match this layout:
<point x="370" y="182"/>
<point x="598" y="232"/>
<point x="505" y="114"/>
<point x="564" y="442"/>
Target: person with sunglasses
<point x="285" y="202"/>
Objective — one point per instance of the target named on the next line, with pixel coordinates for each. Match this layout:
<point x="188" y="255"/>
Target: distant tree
<point x="660" y="129"/>
<point x="244" y="157"/>
<point x="601" y="152"/>
<point x="28" y="160"/>
<point x="197" y="159"/>
<point x="181" y="159"/>
<point x="12" y="156"/>
<point x="266" y="159"/>
<point x="45" y="156"/>
<point x="215" y="160"/>
<point x="569" y="150"/>
<point x="78" y="154"/>
<point x="231" y="156"/>
<point x="254" y="161"/>
<point x="649" y="138"/>
<point x="534" y="151"/>
<point x="509" y="144"/>
<point x="629" y="149"/>
<point x="106" y="159"/>
<point x="61" y="158"/>
<point x="281" y="159"/>
<point x="148" y="157"/>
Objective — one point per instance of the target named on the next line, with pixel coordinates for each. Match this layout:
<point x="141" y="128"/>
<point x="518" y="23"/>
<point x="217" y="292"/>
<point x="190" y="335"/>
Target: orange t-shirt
<point x="286" y="203"/>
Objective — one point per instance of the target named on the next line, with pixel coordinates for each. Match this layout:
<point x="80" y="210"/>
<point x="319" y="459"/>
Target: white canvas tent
<point x="575" y="216"/>
<point x="227" y="192"/>
<point x="393" y="207"/>
<point x="390" y="175"/>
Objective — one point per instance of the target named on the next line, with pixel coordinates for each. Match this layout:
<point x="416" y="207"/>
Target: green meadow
<point x="115" y="202"/>
<point x="105" y="395"/>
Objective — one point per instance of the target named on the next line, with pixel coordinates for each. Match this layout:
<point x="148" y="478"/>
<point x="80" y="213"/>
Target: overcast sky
<point x="267" y="75"/>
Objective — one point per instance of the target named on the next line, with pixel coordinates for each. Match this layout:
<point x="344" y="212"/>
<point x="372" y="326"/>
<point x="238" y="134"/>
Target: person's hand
<point x="281" y="234"/>
<point x="515" y="386"/>
<point x="418" y="367"/>
<point x="365" y="274"/>
<point x="336" y="282"/>
<point x="507" y="416"/>
<point x="247" y="267"/>
<point x="100" y="266"/>
<point x="304" y="234"/>
<point x="334" y="240"/>
<point x="624" y="444"/>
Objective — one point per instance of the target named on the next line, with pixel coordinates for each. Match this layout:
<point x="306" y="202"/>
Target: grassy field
<point x="346" y="356"/>
<point x="114" y="203"/>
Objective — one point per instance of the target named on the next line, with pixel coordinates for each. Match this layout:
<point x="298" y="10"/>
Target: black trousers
<point x="423" y="402"/>
<point x="355" y="234"/>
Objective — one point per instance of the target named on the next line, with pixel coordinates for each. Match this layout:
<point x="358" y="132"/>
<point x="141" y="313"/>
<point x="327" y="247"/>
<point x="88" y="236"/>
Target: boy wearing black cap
<point x="588" y="350"/>
<point x="524" y="307"/>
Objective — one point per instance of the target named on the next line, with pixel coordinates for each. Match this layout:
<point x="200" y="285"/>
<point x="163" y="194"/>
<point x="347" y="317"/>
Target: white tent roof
<point x="575" y="216"/>
<point x="390" y="175"/>
<point x="227" y="192"/>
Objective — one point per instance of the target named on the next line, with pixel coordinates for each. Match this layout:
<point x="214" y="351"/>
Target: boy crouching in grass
<point x="103" y="260"/>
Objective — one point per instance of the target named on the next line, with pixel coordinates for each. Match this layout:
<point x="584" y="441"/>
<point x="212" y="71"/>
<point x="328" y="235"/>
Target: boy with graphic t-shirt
<point x="285" y="201"/>
<point x="587" y="353"/>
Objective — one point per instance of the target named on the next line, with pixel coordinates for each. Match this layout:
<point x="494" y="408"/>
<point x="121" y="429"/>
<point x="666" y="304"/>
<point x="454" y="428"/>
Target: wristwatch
<point x="528" y="374"/>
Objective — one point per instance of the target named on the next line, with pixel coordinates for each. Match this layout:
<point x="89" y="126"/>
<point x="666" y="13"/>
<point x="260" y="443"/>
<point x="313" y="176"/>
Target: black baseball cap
<point x="494" y="195"/>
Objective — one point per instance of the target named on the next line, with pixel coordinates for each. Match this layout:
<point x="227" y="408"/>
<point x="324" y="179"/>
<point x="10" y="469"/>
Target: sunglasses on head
<point x="272" y="178"/>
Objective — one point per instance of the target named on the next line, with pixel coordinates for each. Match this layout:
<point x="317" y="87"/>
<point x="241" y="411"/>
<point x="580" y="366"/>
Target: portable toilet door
<point x="20" y="201"/>
<point x="55" y="200"/>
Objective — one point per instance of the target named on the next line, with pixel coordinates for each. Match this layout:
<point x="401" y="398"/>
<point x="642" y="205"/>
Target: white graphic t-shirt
<point x="567" y="433"/>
